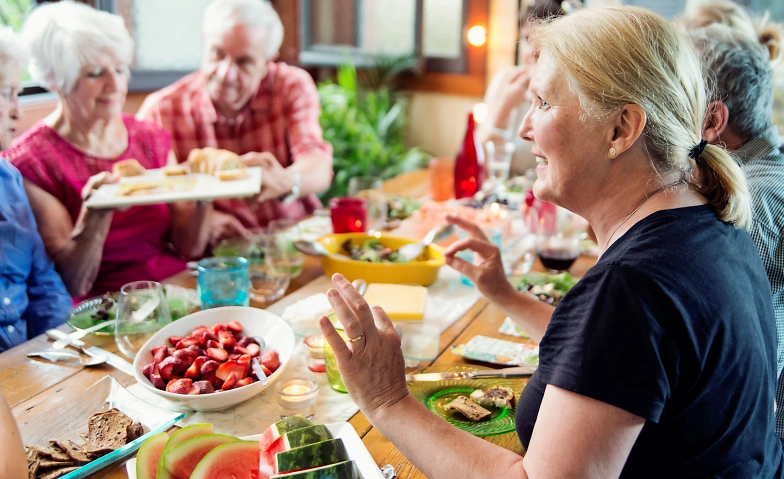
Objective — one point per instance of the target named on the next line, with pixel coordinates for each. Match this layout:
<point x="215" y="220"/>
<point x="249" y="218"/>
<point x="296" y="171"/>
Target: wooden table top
<point x="32" y="385"/>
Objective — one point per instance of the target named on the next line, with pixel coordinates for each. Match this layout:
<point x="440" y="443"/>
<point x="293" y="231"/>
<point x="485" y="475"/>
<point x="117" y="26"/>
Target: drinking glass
<point x="442" y="178"/>
<point x="142" y="310"/>
<point x="223" y="281"/>
<point x="269" y="266"/>
<point x="349" y="215"/>
<point x="287" y="231"/>
<point x="369" y="188"/>
<point x="558" y="251"/>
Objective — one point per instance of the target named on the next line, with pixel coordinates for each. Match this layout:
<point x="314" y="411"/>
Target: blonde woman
<point x="12" y="453"/>
<point x="659" y="362"/>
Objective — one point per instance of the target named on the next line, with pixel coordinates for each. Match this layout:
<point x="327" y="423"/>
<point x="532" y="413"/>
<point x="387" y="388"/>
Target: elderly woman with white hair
<point x="32" y="295"/>
<point x="243" y="101"/>
<point x="660" y="361"/>
<point x="83" y="55"/>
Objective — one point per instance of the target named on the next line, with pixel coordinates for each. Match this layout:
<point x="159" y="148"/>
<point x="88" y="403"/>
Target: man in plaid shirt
<point x="742" y="121"/>
<point x="242" y="101"/>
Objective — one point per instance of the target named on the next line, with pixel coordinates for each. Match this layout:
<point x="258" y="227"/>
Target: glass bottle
<point x="469" y="164"/>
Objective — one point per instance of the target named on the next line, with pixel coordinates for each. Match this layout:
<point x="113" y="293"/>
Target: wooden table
<point x="31" y="385"/>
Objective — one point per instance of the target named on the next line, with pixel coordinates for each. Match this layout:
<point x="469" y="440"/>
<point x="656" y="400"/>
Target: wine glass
<point x="287" y="231"/>
<point x="142" y="310"/>
<point x="559" y="244"/>
<point x="369" y="188"/>
<point x="269" y="266"/>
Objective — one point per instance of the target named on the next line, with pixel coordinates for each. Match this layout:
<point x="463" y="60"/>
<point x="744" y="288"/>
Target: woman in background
<point x="83" y="55"/>
<point x="506" y="96"/>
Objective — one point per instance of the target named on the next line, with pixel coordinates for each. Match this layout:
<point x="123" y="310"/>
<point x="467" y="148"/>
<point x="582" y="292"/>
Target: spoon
<point x="56" y="356"/>
<point x="311" y="248"/>
<point x="410" y="252"/>
<point x="254" y="363"/>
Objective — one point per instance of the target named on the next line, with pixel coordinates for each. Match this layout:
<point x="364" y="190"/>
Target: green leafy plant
<point x="365" y="128"/>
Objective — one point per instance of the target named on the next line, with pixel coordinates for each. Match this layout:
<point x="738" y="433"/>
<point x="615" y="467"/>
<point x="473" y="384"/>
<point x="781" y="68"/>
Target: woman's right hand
<point x="513" y="87"/>
<point x="487" y="271"/>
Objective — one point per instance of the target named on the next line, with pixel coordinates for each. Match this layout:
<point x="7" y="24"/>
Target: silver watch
<point x="295" y="187"/>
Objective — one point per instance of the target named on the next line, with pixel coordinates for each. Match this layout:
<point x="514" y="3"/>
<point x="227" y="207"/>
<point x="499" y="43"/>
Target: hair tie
<point x="697" y="150"/>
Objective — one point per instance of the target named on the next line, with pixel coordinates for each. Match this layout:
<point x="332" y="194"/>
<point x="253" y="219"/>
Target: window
<point x="12" y="14"/>
<point x="334" y="31"/>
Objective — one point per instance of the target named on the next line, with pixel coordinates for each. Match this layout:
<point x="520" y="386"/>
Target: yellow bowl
<point x="423" y="270"/>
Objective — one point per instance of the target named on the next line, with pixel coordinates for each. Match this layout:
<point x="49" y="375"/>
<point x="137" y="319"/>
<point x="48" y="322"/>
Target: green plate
<point x="436" y="394"/>
<point x="182" y="302"/>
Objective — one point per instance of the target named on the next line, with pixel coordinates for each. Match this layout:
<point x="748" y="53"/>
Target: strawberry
<point x="243" y="382"/>
<point x="194" y="371"/>
<point x="270" y="359"/>
<point x="218" y="328"/>
<point x="174" y="340"/>
<point x="185" y="342"/>
<point x="244" y="342"/>
<point x="234" y="357"/>
<point x="266" y="370"/>
<point x="226" y="340"/>
<point x="195" y="351"/>
<point x="180" y="386"/>
<point x="166" y="368"/>
<point x="234" y="326"/>
<point x="231" y="380"/>
<point x="205" y="387"/>
<point x="159" y="354"/>
<point x="206" y="338"/>
<point x="238" y="369"/>
<point x="245" y="359"/>
<point x="147" y="370"/>
<point x="212" y="379"/>
<point x="253" y="349"/>
<point x="214" y="344"/>
<point x="218" y="354"/>
<point x="156" y="380"/>
<point x="209" y="366"/>
<point x="239" y="350"/>
<point x="200" y="330"/>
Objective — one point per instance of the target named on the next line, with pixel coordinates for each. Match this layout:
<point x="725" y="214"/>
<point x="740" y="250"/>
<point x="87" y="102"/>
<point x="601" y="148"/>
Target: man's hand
<point x="224" y="226"/>
<point x="276" y="181"/>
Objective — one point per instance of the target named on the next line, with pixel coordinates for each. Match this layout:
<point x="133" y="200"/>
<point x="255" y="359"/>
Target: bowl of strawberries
<point x="211" y="360"/>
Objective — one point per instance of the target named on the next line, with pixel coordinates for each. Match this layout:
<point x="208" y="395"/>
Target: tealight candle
<point x="297" y="397"/>
<point x="315" y="344"/>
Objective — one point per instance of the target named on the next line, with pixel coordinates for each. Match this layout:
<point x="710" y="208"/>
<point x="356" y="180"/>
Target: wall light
<point x="477" y="35"/>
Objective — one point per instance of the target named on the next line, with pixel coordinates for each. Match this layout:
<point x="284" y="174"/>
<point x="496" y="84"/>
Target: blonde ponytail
<point x="724" y="185"/>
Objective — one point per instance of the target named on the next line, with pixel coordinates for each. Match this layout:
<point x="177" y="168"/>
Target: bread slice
<point x="232" y="175"/>
<point x="127" y="168"/>
<point x="107" y="432"/>
<point x="74" y="451"/>
<point x="468" y="408"/>
<point x="497" y="396"/>
<point x="175" y="170"/>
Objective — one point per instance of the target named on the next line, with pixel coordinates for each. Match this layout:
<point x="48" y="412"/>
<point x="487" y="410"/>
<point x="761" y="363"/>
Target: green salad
<point x="400" y="208"/>
<point x="371" y="251"/>
<point x="550" y="288"/>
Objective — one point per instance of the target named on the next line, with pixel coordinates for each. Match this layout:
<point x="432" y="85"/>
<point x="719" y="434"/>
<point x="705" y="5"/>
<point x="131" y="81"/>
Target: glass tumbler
<point x="370" y="189"/>
<point x="223" y="281"/>
<point x="269" y="267"/>
<point x="287" y="231"/>
<point x="142" y="310"/>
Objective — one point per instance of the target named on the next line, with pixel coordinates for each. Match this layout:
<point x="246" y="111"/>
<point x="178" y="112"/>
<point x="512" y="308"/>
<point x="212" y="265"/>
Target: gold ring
<point x="354" y="340"/>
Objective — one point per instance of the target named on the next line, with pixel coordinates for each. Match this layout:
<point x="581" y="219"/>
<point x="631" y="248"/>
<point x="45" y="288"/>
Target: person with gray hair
<point x="82" y="55"/>
<point x="32" y="294"/>
<point x="738" y="69"/>
<point x="242" y="100"/>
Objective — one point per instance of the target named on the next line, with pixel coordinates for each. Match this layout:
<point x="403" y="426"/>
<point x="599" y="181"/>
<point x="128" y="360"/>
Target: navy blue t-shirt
<point x="674" y="324"/>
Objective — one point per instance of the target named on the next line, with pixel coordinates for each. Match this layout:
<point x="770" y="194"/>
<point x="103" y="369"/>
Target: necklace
<point x="648" y="197"/>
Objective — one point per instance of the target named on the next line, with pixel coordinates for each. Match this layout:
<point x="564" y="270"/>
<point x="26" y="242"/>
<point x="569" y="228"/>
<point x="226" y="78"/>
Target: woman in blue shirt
<point x="32" y="295"/>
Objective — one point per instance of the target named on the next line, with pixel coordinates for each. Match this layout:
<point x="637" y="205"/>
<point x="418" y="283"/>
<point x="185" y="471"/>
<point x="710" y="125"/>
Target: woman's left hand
<point x="372" y="365"/>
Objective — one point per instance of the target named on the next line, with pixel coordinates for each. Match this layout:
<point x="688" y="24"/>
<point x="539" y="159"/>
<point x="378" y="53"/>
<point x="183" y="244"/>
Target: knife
<point x="518" y="372"/>
<point x="94" y="352"/>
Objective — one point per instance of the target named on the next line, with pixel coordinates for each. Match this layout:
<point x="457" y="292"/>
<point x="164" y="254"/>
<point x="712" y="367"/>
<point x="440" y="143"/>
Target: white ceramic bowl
<point x="255" y="322"/>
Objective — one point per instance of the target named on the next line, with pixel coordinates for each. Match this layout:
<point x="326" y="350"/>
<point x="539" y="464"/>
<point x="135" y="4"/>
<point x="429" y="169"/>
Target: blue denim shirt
<point x="32" y="295"/>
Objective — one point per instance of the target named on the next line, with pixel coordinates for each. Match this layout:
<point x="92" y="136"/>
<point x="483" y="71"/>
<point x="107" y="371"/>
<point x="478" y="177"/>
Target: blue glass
<point x="493" y="234"/>
<point x="223" y="281"/>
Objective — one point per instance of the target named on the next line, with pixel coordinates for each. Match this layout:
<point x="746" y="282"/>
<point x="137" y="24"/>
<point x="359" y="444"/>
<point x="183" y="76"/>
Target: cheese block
<point x="401" y="302"/>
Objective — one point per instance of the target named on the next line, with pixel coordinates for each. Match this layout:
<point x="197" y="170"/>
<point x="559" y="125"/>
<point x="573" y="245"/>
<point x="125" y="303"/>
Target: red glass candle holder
<point x="349" y="215"/>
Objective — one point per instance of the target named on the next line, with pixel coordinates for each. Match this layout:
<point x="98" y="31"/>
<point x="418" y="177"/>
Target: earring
<point x="612" y="151"/>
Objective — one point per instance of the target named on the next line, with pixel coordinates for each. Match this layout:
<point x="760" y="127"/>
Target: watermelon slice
<point x="178" y="438"/>
<point x="319" y="454"/>
<point x="149" y="453"/>
<point x="274" y="432"/>
<point x="237" y="460"/>
<point x="297" y="438"/>
<point x="182" y="460"/>
<point x="341" y="470"/>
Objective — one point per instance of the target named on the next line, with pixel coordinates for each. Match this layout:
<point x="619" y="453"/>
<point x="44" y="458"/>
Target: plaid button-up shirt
<point x="282" y="118"/>
<point x="762" y="160"/>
